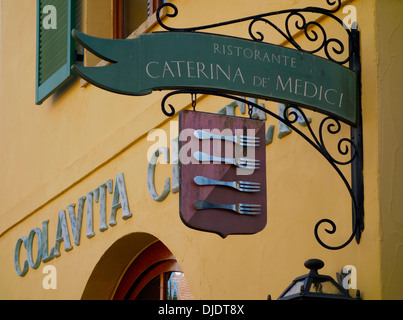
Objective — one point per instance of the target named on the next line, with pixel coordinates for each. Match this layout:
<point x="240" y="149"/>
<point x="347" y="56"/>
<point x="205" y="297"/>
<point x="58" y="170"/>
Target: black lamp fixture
<point x="315" y="286"/>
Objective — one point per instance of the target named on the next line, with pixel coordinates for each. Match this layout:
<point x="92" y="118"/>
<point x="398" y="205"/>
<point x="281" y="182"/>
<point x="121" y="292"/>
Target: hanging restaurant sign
<point x="190" y="62"/>
<point x="222" y="173"/>
<point x="177" y="60"/>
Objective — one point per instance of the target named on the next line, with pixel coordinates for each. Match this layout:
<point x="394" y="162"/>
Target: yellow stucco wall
<point x="390" y="59"/>
<point x="83" y="136"/>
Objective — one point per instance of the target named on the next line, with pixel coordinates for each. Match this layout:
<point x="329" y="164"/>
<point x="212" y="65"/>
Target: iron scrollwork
<point x="333" y="47"/>
<point x="329" y="124"/>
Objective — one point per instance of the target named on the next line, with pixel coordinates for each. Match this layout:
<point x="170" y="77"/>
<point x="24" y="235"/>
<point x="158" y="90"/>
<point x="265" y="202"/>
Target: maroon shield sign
<point x="222" y="173"/>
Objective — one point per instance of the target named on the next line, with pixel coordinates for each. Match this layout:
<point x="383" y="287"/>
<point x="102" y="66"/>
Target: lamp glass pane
<point x="295" y="289"/>
<point x="320" y="286"/>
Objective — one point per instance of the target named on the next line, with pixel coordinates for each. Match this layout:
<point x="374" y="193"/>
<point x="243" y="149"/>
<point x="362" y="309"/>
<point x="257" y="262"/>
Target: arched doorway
<point x="137" y="260"/>
<point x="154" y="275"/>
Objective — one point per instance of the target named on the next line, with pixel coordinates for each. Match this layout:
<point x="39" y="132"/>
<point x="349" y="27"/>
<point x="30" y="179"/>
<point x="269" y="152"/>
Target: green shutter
<point x="54" y="48"/>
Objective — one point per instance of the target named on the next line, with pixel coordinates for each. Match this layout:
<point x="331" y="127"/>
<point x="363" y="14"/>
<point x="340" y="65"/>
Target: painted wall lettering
<point x="69" y="226"/>
<point x="151" y="175"/>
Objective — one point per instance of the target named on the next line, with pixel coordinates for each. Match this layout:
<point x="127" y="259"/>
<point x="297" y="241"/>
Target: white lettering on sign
<point x="254" y="54"/>
<point x="193" y="69"/>
<point x="310" y="90"/>
<point x="257" y="70"/>
<point x="33" y="259"/>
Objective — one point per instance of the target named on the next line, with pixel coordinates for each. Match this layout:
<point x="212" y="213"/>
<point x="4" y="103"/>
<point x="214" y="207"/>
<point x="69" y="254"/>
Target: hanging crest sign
<point x="179" y="60"/>
<point x="223" y="182"/>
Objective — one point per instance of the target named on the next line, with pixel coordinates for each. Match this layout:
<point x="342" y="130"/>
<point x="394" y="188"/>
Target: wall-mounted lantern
<point x="315" y="286"/>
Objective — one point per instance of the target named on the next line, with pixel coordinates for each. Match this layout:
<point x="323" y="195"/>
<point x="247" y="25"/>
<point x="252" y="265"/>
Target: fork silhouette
<point x="245" y="163"/>
<point x="241" y="208"/>
<point x="243" y="186"/>
<point x="246" y="141"/>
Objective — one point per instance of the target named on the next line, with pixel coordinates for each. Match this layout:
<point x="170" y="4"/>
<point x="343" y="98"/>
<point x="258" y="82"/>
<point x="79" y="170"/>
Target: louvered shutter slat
<point x="55" y="49"/>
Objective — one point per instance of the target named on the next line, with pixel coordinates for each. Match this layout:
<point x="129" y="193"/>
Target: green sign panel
<point x="177" y="60"/>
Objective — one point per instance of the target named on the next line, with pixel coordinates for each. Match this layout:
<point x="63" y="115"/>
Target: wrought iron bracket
<point x="334" y="50"/>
